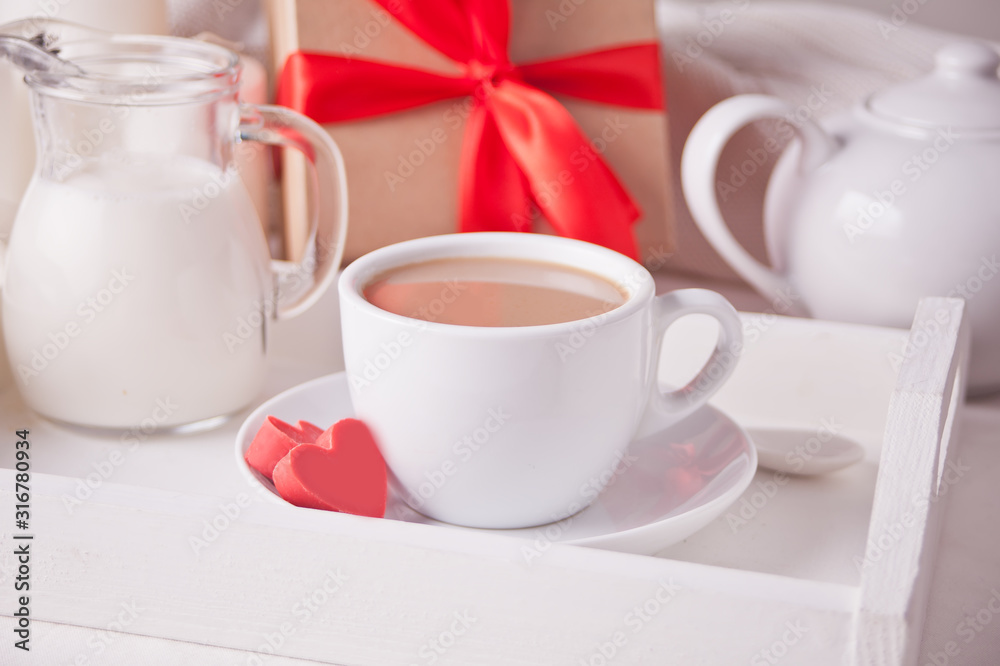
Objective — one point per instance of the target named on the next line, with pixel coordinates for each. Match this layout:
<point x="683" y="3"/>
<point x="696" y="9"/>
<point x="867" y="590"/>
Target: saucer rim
<point x="611" y="540"/>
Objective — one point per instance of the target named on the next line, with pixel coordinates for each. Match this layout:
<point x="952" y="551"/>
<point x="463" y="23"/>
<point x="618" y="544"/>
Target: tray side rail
<point x="915" y="470"/>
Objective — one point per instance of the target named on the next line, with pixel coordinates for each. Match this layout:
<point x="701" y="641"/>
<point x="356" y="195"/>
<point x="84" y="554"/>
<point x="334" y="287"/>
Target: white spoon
<point x="803" y="452"/>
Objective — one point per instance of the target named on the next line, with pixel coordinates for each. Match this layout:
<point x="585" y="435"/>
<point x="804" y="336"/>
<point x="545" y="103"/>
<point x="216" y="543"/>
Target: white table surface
<point x="967" y="575"/>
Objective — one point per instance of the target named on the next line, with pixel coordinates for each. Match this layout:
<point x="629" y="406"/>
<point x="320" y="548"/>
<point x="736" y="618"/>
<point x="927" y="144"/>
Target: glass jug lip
<point x="143" y="70"/>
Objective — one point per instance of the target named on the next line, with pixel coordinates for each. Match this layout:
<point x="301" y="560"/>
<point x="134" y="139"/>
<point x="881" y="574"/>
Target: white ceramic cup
<point x="504" y="427"/>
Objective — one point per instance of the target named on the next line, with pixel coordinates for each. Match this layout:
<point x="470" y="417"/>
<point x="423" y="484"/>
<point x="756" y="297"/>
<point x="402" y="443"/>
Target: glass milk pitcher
<point x="137" y="283"/>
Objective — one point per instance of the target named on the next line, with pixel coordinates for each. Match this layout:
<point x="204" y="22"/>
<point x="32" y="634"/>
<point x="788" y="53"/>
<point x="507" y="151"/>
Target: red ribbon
<point x="519" y="141"/>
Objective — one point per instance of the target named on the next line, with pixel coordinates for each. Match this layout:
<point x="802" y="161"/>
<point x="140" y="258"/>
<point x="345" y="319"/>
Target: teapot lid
<point x="962" y="92"/>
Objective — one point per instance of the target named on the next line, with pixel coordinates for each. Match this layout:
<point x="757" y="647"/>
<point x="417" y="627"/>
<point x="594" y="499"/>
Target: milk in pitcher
<point x="133" y="280"/>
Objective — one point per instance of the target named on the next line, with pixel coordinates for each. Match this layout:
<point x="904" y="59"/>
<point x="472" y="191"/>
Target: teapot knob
<point x="967" y="59"/>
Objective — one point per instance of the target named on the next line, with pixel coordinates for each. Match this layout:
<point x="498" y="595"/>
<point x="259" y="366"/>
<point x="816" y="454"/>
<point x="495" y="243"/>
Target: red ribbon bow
<point x="519" y="141"/>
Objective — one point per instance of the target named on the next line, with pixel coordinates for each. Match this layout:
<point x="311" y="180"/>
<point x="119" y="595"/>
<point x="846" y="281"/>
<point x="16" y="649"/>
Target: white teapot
<point x="869" y="211"/>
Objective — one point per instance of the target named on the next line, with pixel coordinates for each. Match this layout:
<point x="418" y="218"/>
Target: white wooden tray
<point x="172" y="545"/>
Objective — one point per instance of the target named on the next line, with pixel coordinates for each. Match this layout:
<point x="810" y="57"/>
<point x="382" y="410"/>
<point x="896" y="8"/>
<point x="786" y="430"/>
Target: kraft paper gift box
<point x="405" y="166"/>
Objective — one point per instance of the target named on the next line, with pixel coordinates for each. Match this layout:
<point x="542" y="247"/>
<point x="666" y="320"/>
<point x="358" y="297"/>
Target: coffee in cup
<point x="488" y="291"/>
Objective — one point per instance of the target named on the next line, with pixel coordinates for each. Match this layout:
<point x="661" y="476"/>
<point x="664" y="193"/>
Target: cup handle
<point x="300" y="284"/>
<point x="665" y="408"/>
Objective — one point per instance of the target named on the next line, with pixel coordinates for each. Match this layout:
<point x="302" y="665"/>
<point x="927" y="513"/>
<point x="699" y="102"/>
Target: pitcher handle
<point x="302" y="283"/>
<point x="698" y="173"/>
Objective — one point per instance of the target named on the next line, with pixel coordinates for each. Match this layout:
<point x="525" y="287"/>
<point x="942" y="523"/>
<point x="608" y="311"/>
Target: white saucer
<point x="679" y="479"/>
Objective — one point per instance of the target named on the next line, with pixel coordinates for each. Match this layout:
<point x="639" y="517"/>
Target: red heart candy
<point x="344" y="471"/>
<point x="273" y="442"/>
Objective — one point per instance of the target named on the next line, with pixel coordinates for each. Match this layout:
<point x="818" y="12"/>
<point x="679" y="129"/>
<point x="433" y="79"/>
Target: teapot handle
<point x="698" y="173"/>
<point x="304" y="282"/>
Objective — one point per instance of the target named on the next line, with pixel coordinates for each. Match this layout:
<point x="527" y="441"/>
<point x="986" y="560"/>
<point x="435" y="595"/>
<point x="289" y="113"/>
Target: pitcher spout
<point x="33" y="45"/>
